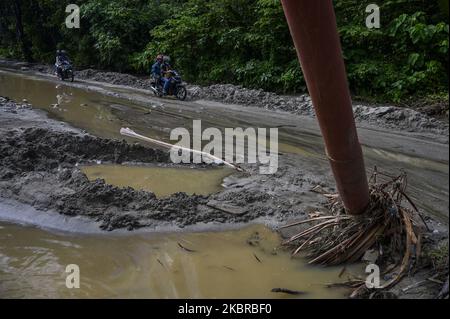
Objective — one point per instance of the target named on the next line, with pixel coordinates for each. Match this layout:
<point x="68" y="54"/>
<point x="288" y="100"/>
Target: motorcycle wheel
<point x="181" y="93"/>
<point x="155" y="89"/>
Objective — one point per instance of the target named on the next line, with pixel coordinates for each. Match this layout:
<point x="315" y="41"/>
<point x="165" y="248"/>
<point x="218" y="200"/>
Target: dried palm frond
<point x="389" y="222"/>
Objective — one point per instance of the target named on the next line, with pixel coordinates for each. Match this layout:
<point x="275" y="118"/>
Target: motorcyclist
<point x="159" y="70"/>
<point x="61" y="58"/>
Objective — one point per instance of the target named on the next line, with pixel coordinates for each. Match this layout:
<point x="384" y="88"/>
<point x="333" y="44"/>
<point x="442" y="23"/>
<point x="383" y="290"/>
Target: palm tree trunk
<point x="26" y="51"/>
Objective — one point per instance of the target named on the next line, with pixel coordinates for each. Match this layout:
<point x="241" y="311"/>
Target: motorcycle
<point x="177" y="86"/>
<point x="66" y="72"/>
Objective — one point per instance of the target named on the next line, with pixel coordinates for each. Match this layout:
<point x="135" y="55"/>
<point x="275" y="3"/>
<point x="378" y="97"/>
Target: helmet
<point x="63" y="52"/>
<point x="166" y="59"/>
<point x="58" y="52"/>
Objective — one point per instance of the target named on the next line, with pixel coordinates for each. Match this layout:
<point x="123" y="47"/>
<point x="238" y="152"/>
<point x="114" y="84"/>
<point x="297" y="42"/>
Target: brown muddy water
<point x="90" y="111"/>
<point x="221" y="265"/>
<point x="162" y="181"/>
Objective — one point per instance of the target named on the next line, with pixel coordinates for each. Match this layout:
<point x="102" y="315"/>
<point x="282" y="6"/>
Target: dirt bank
<point x="422" y="120"/>
<point x="381" y="115"/>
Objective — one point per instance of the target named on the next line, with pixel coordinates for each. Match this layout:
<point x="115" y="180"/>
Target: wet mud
<point x="41" y="166"/>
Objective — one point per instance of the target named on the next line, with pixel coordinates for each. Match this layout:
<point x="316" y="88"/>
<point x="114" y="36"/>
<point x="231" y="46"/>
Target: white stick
<point x="128" y="132"/>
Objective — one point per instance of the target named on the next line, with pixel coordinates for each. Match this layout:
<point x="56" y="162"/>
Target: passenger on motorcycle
<point x="166" y="67"/>
<point x="159" y="70"/>
<point x="61" y="58"/>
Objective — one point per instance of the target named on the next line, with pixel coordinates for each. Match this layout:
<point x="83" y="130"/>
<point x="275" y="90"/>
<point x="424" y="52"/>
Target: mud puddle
<point x="162" y="181"/>
<point x="86" y="110"/>
<point x="234" y="264"/>
<point x="94" y="112"/>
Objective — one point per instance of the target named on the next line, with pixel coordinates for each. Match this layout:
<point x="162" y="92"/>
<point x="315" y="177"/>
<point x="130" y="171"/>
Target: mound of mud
<point x="114" y="78"/>
<point x="38" y="149"/>
<point x="229" y="93"/>
<point x="398" y="118"/>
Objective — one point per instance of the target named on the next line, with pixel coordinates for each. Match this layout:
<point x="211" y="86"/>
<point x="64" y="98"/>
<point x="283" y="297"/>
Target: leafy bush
<point x="407" y="56"/>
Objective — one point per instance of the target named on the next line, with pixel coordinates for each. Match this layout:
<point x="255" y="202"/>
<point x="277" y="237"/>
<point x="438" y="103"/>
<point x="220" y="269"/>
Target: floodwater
<point x="218" y="265"/>
<point x="162" y="181"/>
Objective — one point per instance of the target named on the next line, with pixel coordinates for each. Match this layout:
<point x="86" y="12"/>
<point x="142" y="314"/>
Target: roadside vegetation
<point x="244" y="42"/>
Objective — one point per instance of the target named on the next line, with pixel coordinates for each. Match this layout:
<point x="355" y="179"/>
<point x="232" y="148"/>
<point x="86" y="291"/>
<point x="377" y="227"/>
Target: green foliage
<point x="438" y="256"/>
<point x="248" y="42"/>
<point x="111" y="33"/>
<point x="240" y="41"/>
<point x="407" y="56"/>
<point x="119" y="28"/>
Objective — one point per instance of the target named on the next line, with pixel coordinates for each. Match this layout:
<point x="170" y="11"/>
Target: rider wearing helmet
<point x="61" y="58"/>
<point x="166" y="67"/>
<point x="159" y="69"/>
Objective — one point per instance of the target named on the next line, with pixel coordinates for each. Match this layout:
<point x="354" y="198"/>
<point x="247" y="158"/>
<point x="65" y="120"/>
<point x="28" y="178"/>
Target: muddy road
<point x="65" y="168"/>
<point x="102" y="109"/>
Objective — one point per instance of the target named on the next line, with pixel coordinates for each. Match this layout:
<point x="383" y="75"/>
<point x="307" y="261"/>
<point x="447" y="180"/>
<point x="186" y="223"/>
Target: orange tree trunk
<point x="313" y="28"/>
